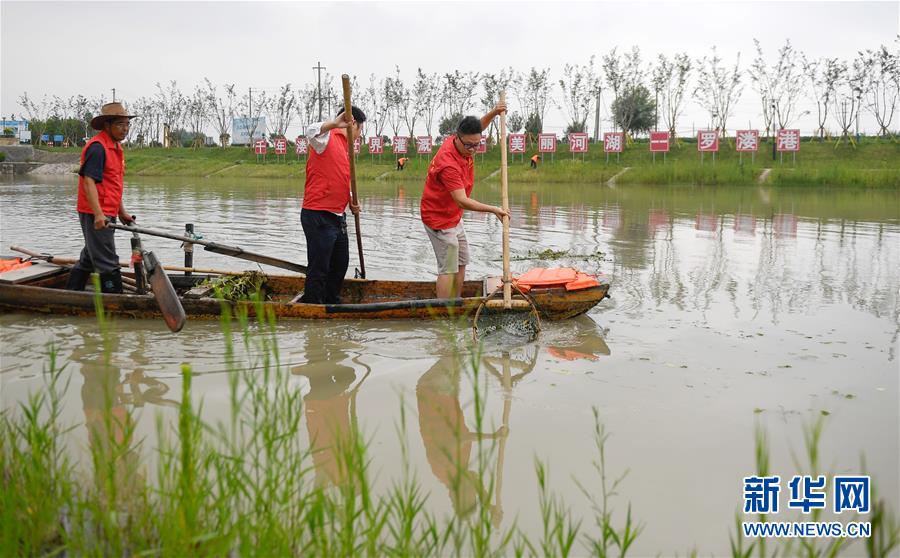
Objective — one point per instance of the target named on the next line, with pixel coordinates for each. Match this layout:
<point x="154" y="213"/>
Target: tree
<point x="37" y="114"/>
<point x="458" y="90"/>
<point x="515" y="122"/>
<point x="449" y="123"/>
<point x="635" y="111"/>
<point x="823" y="75"/>
<point x="376" y="107"/>
<point x="171" y="104"/>
<point x="850" y="89"/>
<point x="282" y="111"/>
<point x="882" y="85"/>
<point x="537" y="94"/>
<point x="718" y="89"/>
<point x="197" y="111"/>
<point x="507" y="80"/>
<point x="306" y="107"/>
<point x="426" y="95"/>
<point x="222" y="110"/>
<point x="533" y="125"/>
<point x="779" y="86"/>
<point x="670" y="78"/>
<point x="579" y="83"/>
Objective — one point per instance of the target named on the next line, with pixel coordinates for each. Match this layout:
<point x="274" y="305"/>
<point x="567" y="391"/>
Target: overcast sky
<point x="66" y="48"/>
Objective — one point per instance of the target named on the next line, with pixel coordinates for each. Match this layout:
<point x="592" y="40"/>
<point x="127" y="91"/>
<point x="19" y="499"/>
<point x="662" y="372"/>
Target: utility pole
<point x="656" y="108"/>
<point x="597" y="117"/>
<point x="774" y="133"/>
<point x="318" y="67"/>
<point x="114" y="94"/>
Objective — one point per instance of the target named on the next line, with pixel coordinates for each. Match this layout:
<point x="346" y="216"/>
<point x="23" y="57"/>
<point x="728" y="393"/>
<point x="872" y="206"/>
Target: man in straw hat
<point x="100" y="186"/>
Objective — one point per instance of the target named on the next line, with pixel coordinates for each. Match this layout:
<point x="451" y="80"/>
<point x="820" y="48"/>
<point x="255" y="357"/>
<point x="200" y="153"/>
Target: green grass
<point x="871" y="163"/>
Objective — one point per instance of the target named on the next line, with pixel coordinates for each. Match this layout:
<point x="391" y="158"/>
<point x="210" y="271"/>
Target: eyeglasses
<point x="467" y="145"/>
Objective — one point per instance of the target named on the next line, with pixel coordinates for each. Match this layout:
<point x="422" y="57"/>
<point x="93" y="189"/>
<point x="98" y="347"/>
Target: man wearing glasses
<point x="325" y="197"/>
<point x="448" y="186"/>
<point x="100" y="187"/>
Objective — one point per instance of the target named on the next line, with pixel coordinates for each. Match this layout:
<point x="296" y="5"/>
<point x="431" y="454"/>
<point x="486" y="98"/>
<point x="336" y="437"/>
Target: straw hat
<point x="108" y="112"/>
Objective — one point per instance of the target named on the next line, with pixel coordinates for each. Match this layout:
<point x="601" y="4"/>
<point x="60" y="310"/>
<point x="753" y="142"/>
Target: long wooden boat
<point x="363" y="299"/>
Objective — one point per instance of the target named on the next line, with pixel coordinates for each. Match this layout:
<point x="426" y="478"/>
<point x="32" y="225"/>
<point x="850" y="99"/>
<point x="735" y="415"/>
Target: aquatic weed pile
<point x="240" y="287"/>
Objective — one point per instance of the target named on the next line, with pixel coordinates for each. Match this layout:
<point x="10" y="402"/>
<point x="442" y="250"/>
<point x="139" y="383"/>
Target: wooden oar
<point x="235" y="251"/>
<point x="163" y="291"/>
<point x="72" y="261"/>
<point x="348" y="116"/>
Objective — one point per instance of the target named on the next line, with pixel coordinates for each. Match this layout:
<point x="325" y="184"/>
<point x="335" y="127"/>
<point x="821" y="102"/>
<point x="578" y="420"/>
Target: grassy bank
<point x="871" y="163"/>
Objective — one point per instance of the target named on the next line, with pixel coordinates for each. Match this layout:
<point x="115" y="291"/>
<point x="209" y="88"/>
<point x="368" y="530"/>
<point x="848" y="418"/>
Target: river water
<point x="731" y="307"/>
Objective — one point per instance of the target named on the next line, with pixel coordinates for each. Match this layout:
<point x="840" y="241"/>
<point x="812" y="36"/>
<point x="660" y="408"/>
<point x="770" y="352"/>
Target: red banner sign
<point x="302" y="145"/>
<point x="376" y="145"/>
<point x="613" y="142"/>
<point x="659" y="142"/>
<point x="746" y="140"/>
<point x="423" y="144"/>
<point x="788" y="140"/>
<point x="517" y="143"/>
<point x="578" y="142"/>
<point x="260" y="147"/>
<point x="400" y="144"/>
<point x="547" y="143"/>
<point x="708" y="141"/>
<point x="280" y="146"/>
<point x="482" y="145"/>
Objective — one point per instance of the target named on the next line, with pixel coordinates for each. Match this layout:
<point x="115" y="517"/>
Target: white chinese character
<point x="516" y="143"/>
<point x="546" y="143"/>
<point x="578" y="142"/>
<point x="707" y="140"/>
<point x="613" y="142"/>
<point x="788" y="140"/>
<point x="746" y="140"/>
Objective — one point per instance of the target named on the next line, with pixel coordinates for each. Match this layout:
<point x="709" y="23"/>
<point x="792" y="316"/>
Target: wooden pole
<point x="504" y="193"/>
<point x="348" y="116"/>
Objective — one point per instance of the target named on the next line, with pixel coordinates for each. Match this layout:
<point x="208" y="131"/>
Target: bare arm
<point x="465" y="202"/>
<point x="496" y="111"/>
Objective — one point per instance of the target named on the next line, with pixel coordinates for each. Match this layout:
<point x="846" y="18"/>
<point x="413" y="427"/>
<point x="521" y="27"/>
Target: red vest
<point x="328" y="176"/>
<point x="109" y="190"/>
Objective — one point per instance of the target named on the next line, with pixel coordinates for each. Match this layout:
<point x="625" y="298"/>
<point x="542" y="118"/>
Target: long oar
<point x="58" y="260"/>
<point x="348" y="116"/>
<point x="235" y="251"/>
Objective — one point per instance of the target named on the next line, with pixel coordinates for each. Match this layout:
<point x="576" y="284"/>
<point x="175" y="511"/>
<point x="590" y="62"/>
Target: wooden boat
<point x="43" y="291"/>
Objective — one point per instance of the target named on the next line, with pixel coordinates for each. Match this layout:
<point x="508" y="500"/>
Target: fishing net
<point x="520" y="321"/>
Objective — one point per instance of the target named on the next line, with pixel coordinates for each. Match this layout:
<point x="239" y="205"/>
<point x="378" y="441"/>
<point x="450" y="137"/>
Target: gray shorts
<point x="450" y="248"/>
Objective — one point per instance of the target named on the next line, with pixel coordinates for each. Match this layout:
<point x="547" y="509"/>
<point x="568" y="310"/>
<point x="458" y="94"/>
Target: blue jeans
<point x="327" y="253"/>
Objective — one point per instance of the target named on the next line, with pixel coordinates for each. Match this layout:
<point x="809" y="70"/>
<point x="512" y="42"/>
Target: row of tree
<point x="641" y="95"/>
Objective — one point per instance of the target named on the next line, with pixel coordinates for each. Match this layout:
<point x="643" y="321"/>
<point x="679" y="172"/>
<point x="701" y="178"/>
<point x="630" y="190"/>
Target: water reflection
<point x="330" y="404"/>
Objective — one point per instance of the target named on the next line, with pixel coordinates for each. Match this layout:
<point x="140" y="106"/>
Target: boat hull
<point x="366" y="299"/>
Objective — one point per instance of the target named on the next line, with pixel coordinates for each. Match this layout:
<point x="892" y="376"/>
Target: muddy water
<point x="731" y="307"/>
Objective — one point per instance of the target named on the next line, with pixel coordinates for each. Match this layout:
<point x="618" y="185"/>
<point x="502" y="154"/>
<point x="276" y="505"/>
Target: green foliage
<point x="449" y="123"/>
<point x="533" y="124"/>
<point x="635" y="111"/>
<point x="515" y="122"/>
<point x="576" y="127"/>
